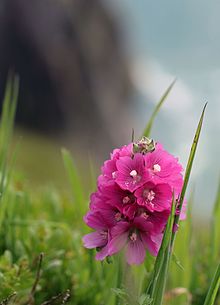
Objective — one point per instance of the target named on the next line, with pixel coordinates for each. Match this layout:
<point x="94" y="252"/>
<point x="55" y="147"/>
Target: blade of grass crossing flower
<point x="74" y="179"/>
<point x="161" y="263"/>
<point x="189" y="165"/>
<point x="183" y="250"/>
<point x="148" y="128"/>
<point x="214" y="288"/>
<point x="162" y="278"/>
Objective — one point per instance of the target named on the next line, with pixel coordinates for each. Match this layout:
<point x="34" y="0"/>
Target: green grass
<point x="49" y="219"/>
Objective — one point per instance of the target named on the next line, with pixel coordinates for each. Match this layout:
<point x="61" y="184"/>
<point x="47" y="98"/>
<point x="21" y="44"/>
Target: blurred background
<point x="90" y="71"/>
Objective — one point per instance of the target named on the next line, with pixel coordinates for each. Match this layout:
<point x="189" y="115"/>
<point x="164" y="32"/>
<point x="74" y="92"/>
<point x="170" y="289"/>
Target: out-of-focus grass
<point x="38" y="159"/>
<point x="49" y="219"/>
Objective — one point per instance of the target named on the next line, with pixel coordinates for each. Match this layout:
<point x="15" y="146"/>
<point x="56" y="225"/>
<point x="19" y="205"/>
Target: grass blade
<point x="213" y="289"/>
<point x="74" y="179"/>
<point x="189" y="166"/>
<point x="156" y="290"/>
<point x="148" y="128"/>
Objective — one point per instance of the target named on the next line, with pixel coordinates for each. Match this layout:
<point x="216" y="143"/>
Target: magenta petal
<point x="135" y="252"/>
<point x="93" y="240"/>
<point x="119" y="235"/>
<point x="94" y="220"/>
<point x="118" y="243"/>
<point x="142" y="224"/>
<point x="102" y="253"/>
<point x="152" y="243"/>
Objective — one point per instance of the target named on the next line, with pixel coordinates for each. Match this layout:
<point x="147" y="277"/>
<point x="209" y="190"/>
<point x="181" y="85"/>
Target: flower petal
<point x="119" y="235"/>
<point x="94" y="240"/>
<point x="152" y="243"/>
<point x="102" y="253"/>
<point x="135" y="252"/>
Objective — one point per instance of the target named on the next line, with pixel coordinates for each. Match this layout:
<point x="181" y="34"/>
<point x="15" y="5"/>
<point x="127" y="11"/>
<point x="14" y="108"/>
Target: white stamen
<point x="156" y="168"/>
<point x="104" y="234"/>
<point x="133" y="237"/>
<point x="114" y="175"/>
<point x="144" y="215"/>
<point x="133" y="173"/>
<point x="151" y="196"/>
<point x="125" y="200"/>
<point x="118" y="216"/>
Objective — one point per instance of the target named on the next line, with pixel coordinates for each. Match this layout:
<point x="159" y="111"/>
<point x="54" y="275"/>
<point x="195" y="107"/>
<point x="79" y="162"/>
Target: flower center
<point x="133" y="173"/>
<point x="151" y="196"/>
<point x="133" y="237"/>
<point x="104" y="234"/>
<point x="144" y="215"/>
<point x="148" y="195"/>
<point x="118" y="216"/>
<point x="114" y="175"/>
<point x="126" y="200"/>
<point x="135" y="176"/>
<point x="156" y="168"/>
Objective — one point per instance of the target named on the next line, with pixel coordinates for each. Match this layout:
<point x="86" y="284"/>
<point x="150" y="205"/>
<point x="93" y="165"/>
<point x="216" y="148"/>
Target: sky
<point x="178" y="39"/>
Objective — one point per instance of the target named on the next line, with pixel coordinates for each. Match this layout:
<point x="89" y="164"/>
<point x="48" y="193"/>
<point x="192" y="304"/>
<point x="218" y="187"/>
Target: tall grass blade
<point x="7" y="123"/>
<point x="148" y="128"/>
<point x="214" y="288"/>
<point x="74" y="179"/>
<point x="189" y="166"/>
<point x="6" y="129"/>
<point x="162" y="262"/>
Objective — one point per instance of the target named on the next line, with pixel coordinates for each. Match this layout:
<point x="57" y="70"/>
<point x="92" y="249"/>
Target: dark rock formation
<point x="73" y="76"/>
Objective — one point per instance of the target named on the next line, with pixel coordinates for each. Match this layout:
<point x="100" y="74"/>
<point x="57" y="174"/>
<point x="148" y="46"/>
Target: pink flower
<point x="98" y="239"/>
<point x="158" y="219"/>
<point x="164" y="168"/>
<point x="155" y="197"/>
<point x="110" y="213"/>
<point x="135" y="237"/>
<point x="131" y="173"/>
<point x="108" y="173"/>
<point x="133" y="200"/>
<point x="124" y="200"/>
<point x="126" y="150"/>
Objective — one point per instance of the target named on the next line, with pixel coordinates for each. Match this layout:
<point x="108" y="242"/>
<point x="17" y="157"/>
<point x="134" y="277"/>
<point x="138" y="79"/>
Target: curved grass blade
<point x="6" y="130"/>
<point x="148" y="128"/>
<point x="189" y="166"/>
<point x="74" y="179"/>
<point x="158" y="280"/>
<point x="213" y="289"/>
<point x="7" y="122"/>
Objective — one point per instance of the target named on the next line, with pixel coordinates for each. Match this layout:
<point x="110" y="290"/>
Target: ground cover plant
<point x="42" y="258"/>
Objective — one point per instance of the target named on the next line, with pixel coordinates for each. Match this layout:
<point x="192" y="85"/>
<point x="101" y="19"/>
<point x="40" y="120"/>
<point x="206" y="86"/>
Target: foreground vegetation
<point x="41" y="253"/>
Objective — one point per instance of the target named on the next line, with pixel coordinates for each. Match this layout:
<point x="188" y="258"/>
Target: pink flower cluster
<point x="133" y="201"/>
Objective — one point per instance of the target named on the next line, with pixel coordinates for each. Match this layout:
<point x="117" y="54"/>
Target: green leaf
<point x="213" y="289"/>
<point x="145" y="300"/>
<point x="74" y="179"/>
<point x="177" y="261"/>
<point x="6" y="129"/>
<point x="120" y="294"/>
<point x="159" y="278"/>
<point x="189" y="166"/>
<point x="148" y="128"/>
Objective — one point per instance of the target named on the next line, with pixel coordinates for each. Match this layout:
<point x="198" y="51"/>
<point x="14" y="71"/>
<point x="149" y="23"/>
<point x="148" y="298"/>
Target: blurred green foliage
<point x="49" y="220"/>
